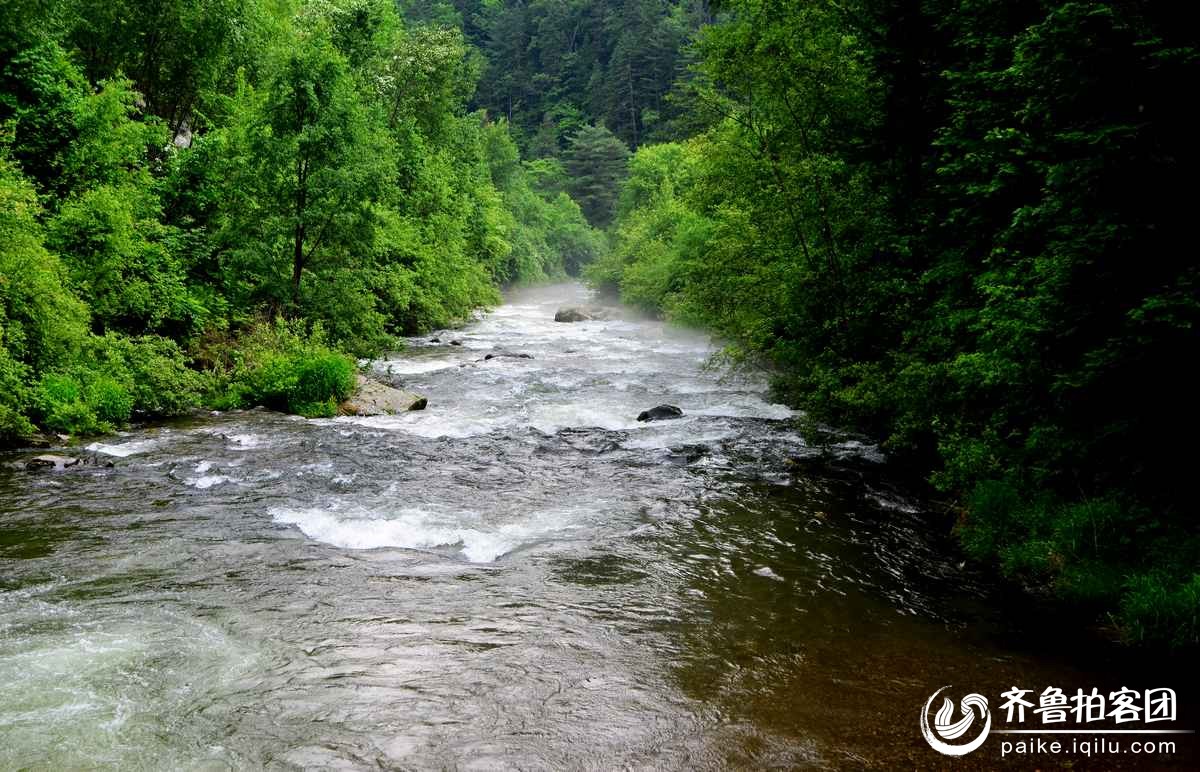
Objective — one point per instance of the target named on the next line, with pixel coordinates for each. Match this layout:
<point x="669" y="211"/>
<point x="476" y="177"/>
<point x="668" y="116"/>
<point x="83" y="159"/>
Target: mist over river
<point x="520" y="576"/>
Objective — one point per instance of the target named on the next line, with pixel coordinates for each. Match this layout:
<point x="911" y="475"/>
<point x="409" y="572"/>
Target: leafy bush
<point x="1105" y="552"/>
<point x="283" y="368"/>
<point x="42" y="322"/>
<point x="82" y="401"/>
<point x="153" y="370"/>
<point x="14" y="398"/>
<point x="1157" y="608"/>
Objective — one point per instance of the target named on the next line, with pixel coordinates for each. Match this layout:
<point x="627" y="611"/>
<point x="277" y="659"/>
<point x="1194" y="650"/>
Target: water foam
<point x="123" y="449"/>
<point x="412" y="366"/>
<point x="419" y="529"/>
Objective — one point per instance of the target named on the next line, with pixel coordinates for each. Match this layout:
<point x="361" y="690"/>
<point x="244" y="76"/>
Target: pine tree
<point x="597" y="164"/>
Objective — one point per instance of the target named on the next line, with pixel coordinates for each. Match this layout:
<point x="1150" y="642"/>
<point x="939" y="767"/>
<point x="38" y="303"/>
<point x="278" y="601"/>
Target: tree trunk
<point x="299" y="234"/>
<point x="633" y="117"/>
<point x="297" y="266"/>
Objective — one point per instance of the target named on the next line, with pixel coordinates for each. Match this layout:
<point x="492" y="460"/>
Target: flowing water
<point x="520" y="576"/>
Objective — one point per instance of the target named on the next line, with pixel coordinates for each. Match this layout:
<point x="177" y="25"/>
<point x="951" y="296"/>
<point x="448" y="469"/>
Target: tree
<point x="307" y="168"/>
<point x="178" y="54"/>
<point x="596" y="162"/>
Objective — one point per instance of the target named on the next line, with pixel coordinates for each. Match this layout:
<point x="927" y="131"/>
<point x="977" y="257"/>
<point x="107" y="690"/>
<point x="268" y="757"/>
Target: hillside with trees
<point x="958" y="227"/>
<point x="215" y="203"/>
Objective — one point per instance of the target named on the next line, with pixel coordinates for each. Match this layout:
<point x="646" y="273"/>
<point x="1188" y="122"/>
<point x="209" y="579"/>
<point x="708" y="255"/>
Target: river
<point x="521" y="576"/>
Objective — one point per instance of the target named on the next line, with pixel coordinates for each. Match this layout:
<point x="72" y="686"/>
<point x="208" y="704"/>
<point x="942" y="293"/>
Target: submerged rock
<point x="506" y="355"/>
<point x="456" y="342"/>
<point x="51" y="461"/>
<point x="375" y="398"/>
<point x="689" y="453"/>
<point x="583" y="314"/>
<point x="660" y="413"/>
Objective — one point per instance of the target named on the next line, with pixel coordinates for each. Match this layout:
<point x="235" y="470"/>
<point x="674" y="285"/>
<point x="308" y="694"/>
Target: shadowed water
<point x="520" y="576"/>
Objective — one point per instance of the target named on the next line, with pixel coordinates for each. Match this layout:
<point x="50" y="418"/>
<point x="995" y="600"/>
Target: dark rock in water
<point x="689" y="453"/>
<point x="456" y="343"/>
<point x="435" y="340"/>
<point x="506" y="355"/>
<point x="375" y="398"/>
<point x="826" y="465"/>
<point x="589" y="440"/>
<point x="660" y="413"/>
<point x="583" y="314"/>
<point x="51" y="461"/>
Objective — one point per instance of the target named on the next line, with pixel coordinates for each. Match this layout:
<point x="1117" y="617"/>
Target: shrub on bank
<point x="82" y="401"/>
<point x="14" y="399"/>
<point x="1105" y="553"/>
<point x="154" y="371"/>
<point x="116" y="377"/>
<point x="283" y="367"/>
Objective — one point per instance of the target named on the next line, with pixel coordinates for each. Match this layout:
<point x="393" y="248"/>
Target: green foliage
<point x="122" y="263"/>
<point x="305" y="169"/>
<point x="153" y="370"/>
<point x="171" y="174"/>
<point x="658" y="233"/>
<point x="553" y="67"/>
<point x="41" y="321"/>
<point x="547" y="233"/>
<point x="82" y="401"/>
<point x="280" y="366"/>
<point x="956" y="226"/>
<point x="1158" y="608"/>
<point x="40" y="91"/>
<point x="14" y="399"/>
<point x="180" y="55"/>
<point x="596" y="162"/>
<point x="113" y="377"/>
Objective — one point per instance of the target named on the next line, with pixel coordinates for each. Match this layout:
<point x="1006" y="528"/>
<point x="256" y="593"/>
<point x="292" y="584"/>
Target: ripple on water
<point x="519" y="576"/>
<point x="93" y="690"/>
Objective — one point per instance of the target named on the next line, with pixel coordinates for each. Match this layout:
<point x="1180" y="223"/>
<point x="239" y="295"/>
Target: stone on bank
<point x="372" y="398"/>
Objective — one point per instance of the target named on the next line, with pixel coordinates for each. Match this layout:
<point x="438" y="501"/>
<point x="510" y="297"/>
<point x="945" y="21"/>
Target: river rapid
<point x="521" y="576"/>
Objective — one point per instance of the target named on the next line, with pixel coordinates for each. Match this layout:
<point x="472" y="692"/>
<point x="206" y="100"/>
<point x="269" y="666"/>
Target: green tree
<point x="596" y="162"/>
<point x="42" y="323"/>
<point x="178" y="54"/>
<point x="306" y="169"/>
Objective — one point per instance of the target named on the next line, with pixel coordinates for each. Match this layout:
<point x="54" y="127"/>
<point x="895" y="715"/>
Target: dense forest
<point x="215" y="202"/>
<point x="957" y="227"/>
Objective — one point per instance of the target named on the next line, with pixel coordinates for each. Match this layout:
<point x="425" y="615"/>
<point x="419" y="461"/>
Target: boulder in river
<point x="660" y="413"/>
<point x="51" y="461"/>
<point x="506" y="355"/>
<point x="456" y="342"/>
<point x="583" y="314"/>
<point x="375" y="398"/>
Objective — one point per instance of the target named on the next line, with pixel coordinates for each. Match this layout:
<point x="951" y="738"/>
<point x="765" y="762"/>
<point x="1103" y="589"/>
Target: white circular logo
<point x="945" y="727"/>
